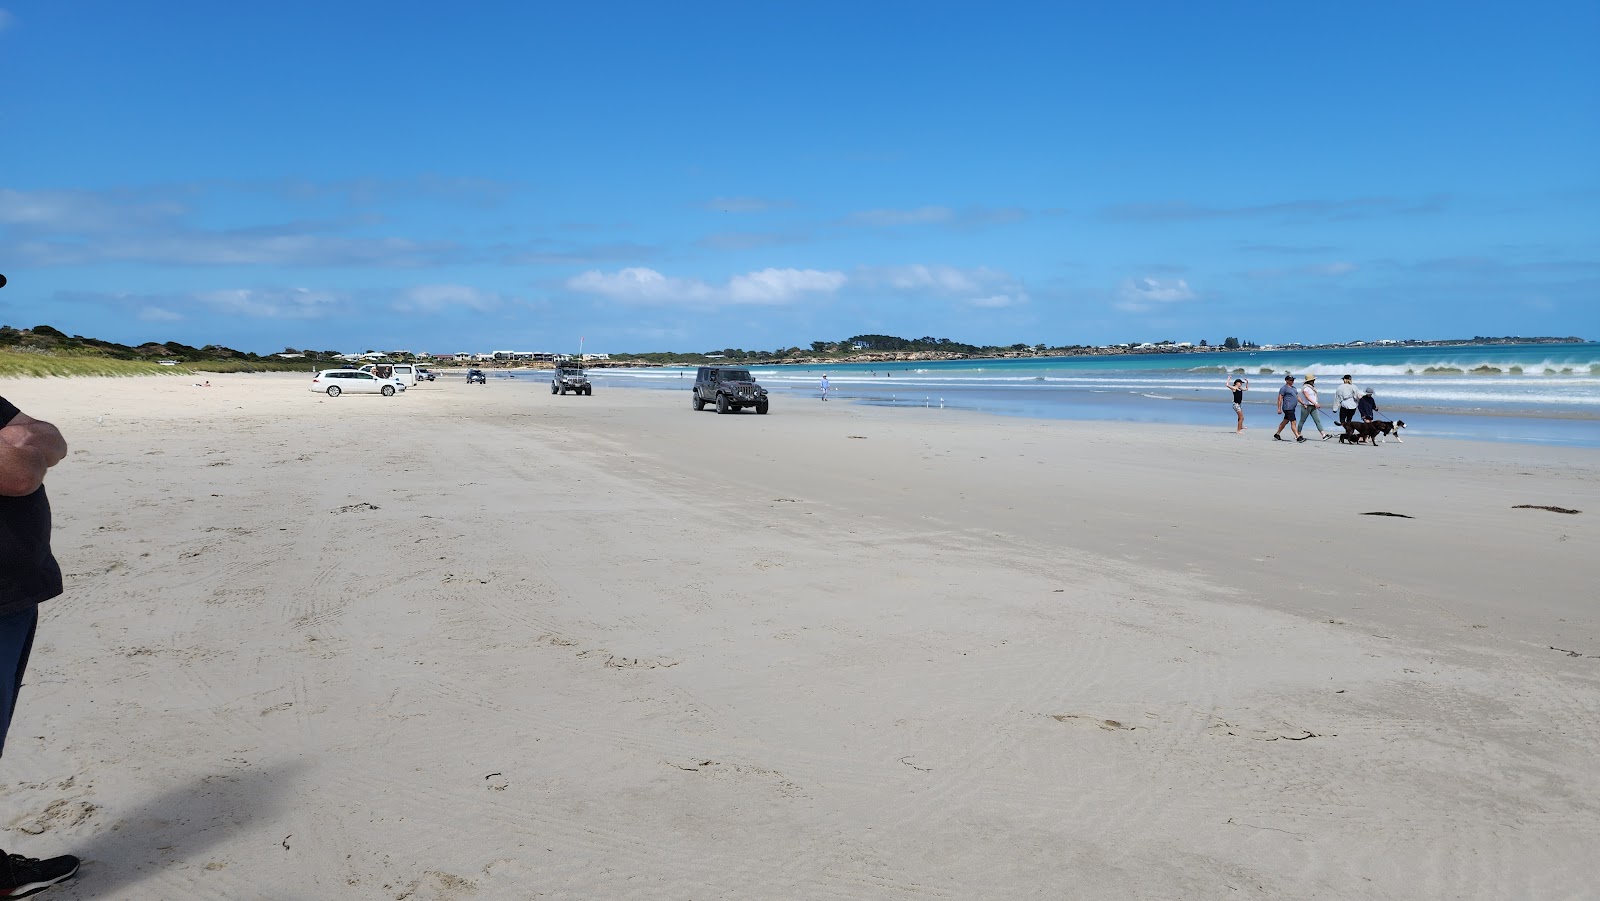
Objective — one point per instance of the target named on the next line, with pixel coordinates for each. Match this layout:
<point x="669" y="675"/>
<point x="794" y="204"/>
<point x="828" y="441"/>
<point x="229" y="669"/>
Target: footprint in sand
<point x="1108" y="725"/>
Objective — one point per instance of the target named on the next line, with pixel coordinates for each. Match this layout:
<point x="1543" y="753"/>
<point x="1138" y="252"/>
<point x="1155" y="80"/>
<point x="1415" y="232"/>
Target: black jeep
<point x="569" y="377"/>
<point x="729" y="388"/>
<point x="476" y="375"/>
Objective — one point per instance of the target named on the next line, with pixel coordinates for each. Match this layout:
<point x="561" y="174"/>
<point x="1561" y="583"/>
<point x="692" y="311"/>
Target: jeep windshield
<point x="736" y="375"/>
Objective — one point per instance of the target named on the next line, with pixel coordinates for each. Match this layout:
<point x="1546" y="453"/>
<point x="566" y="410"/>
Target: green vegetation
<point x="14" y="364"/>
<point x="43" y="351"/>
<point x="850" y="347"/>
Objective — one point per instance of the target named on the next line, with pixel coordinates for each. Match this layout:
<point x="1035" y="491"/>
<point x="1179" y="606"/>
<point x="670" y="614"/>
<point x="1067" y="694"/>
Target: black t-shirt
<point x="28" y="572"/>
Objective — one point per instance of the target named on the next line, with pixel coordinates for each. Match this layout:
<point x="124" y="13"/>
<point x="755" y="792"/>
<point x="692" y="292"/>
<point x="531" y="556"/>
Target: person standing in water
<point x="1239" y="387"/>
<point x="824" y="387"/>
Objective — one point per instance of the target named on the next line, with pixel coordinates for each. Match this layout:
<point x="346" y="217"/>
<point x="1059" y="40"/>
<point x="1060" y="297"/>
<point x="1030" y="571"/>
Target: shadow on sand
<point x="177" y="827"/>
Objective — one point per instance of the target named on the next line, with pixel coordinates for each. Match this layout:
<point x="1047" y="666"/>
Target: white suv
<point x="334" y="382"/>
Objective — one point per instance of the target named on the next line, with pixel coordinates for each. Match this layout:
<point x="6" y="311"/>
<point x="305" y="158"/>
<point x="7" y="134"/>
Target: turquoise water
<point x="1545" y="393"/>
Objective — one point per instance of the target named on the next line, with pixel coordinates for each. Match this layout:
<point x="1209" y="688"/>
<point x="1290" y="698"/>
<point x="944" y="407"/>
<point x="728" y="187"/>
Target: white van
<point x="404" y="374"/>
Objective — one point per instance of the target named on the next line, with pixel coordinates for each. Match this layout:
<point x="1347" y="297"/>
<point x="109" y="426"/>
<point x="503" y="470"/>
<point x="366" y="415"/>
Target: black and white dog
<point x="1371" y="432"/>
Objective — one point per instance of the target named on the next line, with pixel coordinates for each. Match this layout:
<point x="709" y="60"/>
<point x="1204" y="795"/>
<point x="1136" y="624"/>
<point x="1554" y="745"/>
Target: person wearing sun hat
<point x="1309" y="406"/>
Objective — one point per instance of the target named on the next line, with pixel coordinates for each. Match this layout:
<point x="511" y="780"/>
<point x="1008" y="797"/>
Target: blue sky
<point x="698" y="176"/>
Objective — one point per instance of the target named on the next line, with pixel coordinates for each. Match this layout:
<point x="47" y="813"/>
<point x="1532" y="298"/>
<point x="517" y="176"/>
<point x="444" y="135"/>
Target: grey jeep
<point x="570" y="377"/>
<point x="729" y="388"/>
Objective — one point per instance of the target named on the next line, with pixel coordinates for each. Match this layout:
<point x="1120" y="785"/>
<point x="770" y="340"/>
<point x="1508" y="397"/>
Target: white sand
<point x="597" y="648"/>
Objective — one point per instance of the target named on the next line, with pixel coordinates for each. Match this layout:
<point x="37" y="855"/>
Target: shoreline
<point x="1259" y="413"/>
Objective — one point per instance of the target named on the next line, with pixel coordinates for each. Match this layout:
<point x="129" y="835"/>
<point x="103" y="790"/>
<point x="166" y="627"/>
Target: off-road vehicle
<point x="570" y="377"/>
<point x="476" y="375"/>
<point x="729" y="388"/>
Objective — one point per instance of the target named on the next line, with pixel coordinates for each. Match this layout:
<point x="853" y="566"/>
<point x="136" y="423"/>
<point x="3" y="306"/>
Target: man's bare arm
<point x="22" y="471"/>
<point x="26" y="432"/>
<point x="28" y="448"/>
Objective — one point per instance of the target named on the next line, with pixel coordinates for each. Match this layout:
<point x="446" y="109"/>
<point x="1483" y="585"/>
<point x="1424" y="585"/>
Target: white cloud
<point x="291" y="303"/>
<point x="925" y="215"/>
<point x="998" y="301"/>
<point x="435" y="298"/>
<point x="770" y="287"/>
<point x="159" y="314"/>
<point x="978" y="287"/>
<point x="1137" y="295"/>
<point x="937" y="278"/>
<point x="964" y="218"/>
<point x="84" y="211"/>
<point x="777" y="286"/>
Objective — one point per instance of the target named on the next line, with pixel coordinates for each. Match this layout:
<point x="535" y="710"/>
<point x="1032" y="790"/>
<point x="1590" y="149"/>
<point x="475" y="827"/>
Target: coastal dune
<point x="485" y="642"/>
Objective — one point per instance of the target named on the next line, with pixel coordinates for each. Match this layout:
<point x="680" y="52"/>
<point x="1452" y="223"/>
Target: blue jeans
<point x="1313" y="414"/>
<point x="16" y="643"/>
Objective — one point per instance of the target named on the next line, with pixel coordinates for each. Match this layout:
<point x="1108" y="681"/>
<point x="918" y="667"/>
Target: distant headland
<point x="21" y="349"/>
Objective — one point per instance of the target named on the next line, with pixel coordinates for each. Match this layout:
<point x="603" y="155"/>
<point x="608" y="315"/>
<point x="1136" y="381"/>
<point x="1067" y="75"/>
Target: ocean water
<point x="1545" y="393"/>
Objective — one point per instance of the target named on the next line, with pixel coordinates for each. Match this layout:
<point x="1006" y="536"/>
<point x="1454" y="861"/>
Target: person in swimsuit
<point x="1239" y="387"/>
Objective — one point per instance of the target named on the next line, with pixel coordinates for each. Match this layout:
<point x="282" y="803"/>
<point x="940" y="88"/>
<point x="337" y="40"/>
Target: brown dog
<point x="1359" y="432"/>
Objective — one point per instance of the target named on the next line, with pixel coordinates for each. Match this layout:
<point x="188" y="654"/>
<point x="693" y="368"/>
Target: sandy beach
<point x="485" y="642"/>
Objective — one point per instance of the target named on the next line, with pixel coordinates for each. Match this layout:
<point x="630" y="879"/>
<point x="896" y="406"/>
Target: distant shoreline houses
<point x="523" y="356"/>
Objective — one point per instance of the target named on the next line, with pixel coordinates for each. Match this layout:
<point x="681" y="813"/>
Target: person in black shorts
<point x="1288" y="399"/>
<point x="29" y="576"/>
<point x="1239" y="387"/>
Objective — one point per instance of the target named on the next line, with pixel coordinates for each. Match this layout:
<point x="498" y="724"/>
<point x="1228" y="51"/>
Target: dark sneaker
<point x="23" y="876"/>
<point x="1301" y="439"/>
<point x="1277" y="437"/>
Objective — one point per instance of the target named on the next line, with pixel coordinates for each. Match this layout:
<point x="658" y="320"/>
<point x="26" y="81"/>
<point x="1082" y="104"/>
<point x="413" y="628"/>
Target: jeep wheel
<point x="388" y="390"/>
<point x="699" y="404"/>
<point x="761" y="407"/>
<point x="554" y="388"/>
<point x="588" y="391"/>
<point x="333" y="390"/>
<point x="722" y="403"/>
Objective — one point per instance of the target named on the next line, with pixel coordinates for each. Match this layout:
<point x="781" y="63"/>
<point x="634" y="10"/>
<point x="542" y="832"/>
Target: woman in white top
<point x="1309" y="407"/>
<point x="1347" y="394"/>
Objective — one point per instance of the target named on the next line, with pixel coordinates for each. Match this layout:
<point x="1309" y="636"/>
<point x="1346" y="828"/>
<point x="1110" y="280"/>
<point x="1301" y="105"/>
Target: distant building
<point x="588" y="357"/>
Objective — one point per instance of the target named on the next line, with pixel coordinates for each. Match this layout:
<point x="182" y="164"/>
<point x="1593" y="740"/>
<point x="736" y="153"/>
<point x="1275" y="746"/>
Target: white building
<point x="588" y="357"/>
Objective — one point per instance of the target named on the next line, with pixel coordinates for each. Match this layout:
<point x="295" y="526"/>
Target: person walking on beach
<point x="1287" y="401"/>
<point x="1239" y="387"/>
<point x="824" y="387"/>
<point x="1347" y="394"/>
<point x="1309" y="407"/>
<point x="1367" y="406"/>
<point x="29" y="575"/>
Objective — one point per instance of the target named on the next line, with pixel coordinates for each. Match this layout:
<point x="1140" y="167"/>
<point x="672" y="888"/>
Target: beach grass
<point x="39" y="365"/>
